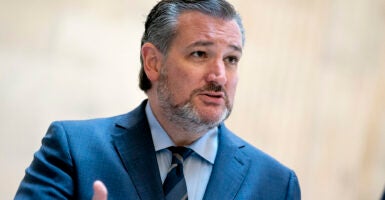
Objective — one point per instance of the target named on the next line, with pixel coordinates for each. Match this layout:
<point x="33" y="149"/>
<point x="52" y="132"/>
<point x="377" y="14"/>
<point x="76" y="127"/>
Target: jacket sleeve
<point x="293" y="189"/>
<point x="50" y="174"/>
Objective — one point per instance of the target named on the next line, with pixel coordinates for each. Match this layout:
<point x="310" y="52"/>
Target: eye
<point x="199" y="54"/>
<point x="232" y="60"/>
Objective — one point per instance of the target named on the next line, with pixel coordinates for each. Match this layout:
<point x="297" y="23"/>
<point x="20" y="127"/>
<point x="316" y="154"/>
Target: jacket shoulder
<point x="257" y="157"/>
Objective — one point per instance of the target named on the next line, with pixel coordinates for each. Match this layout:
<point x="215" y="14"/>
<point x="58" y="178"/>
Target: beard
<point x="185" y="115"/>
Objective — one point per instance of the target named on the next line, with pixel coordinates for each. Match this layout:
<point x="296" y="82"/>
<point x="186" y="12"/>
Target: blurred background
<point x="311" y="90"/>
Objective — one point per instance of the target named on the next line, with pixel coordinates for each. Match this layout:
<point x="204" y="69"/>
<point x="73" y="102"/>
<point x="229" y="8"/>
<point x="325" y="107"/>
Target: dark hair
<point x="160" y="26"/>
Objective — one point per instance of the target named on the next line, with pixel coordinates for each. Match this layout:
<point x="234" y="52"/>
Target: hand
<point x="100" y="191"/>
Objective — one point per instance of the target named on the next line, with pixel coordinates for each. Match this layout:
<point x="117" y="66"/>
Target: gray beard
<point x="185" y="115"/>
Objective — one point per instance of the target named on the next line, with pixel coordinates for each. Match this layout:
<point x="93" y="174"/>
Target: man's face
<point x="199" y="75"/>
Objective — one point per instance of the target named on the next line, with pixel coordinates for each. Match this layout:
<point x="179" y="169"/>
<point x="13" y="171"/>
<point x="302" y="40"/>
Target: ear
<point x="152" y="61"/>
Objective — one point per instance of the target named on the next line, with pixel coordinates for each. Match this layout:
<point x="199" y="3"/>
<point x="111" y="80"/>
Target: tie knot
<point x="181" y="151"/>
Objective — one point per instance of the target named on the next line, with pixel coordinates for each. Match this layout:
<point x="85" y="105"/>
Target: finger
<point x="100" y="191"/>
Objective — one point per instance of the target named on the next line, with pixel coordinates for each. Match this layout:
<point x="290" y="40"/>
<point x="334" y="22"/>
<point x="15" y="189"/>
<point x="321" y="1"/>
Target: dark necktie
<point x="174" y="187"/>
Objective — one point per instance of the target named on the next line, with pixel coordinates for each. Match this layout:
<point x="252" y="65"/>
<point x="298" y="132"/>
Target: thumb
<point x="100" y="191"/>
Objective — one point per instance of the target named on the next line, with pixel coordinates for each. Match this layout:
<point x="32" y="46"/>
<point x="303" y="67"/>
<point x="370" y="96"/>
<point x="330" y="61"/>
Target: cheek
<point x="187" y="79"/>
<point x="232" y="85"/>
<point x="184" y="76"/>
<point x="181" y="83"/>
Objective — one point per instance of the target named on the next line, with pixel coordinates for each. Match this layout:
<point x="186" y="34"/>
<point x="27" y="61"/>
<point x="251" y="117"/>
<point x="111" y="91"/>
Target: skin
<point x="205" y="51"/>
<point x="100" y="191"/>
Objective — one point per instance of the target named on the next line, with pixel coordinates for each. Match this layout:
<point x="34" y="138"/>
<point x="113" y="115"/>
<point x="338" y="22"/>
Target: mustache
<point x="211" y="87"/>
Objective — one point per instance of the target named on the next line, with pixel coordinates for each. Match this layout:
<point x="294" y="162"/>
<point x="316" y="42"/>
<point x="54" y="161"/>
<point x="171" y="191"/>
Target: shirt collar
<point x="206" y="146"/>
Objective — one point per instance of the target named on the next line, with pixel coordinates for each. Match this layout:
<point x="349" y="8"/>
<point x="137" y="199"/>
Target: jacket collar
<point x="135" y="147"/>
<point x="134" y="144"/>
<point x="230" y="168"/>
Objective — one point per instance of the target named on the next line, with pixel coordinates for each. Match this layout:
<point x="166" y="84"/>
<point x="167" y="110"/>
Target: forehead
<point x="194" y="25"/>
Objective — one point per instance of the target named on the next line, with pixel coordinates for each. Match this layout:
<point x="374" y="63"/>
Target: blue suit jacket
<point x="120" y="152"/>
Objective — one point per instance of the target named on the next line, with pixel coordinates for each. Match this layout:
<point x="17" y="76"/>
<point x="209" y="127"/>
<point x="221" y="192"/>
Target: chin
<point x="214" y="117"/>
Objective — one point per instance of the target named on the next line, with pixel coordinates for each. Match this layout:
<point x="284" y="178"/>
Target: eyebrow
<point x="208" y="43"/>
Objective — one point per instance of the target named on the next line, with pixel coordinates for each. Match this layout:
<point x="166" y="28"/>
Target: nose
<point x="217" y="72"/>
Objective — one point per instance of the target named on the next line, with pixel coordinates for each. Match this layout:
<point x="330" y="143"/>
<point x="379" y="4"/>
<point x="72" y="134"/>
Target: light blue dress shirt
<point x="197" y="167"/>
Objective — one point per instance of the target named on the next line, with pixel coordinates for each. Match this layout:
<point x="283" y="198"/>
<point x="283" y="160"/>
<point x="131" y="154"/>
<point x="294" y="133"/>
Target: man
<point x="189" y="53"/>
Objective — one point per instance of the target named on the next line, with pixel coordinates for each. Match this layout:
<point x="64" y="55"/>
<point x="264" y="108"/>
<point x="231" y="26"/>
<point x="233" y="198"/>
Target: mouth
<point x="217" y="95"/>
<point x="212" y="94"/>
<point x="213" y="98"/>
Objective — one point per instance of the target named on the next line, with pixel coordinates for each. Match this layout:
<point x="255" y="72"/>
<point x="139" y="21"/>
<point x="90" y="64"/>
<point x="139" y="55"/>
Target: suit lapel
<point x="134" y="144"/>
<point x="230" y="167"/>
